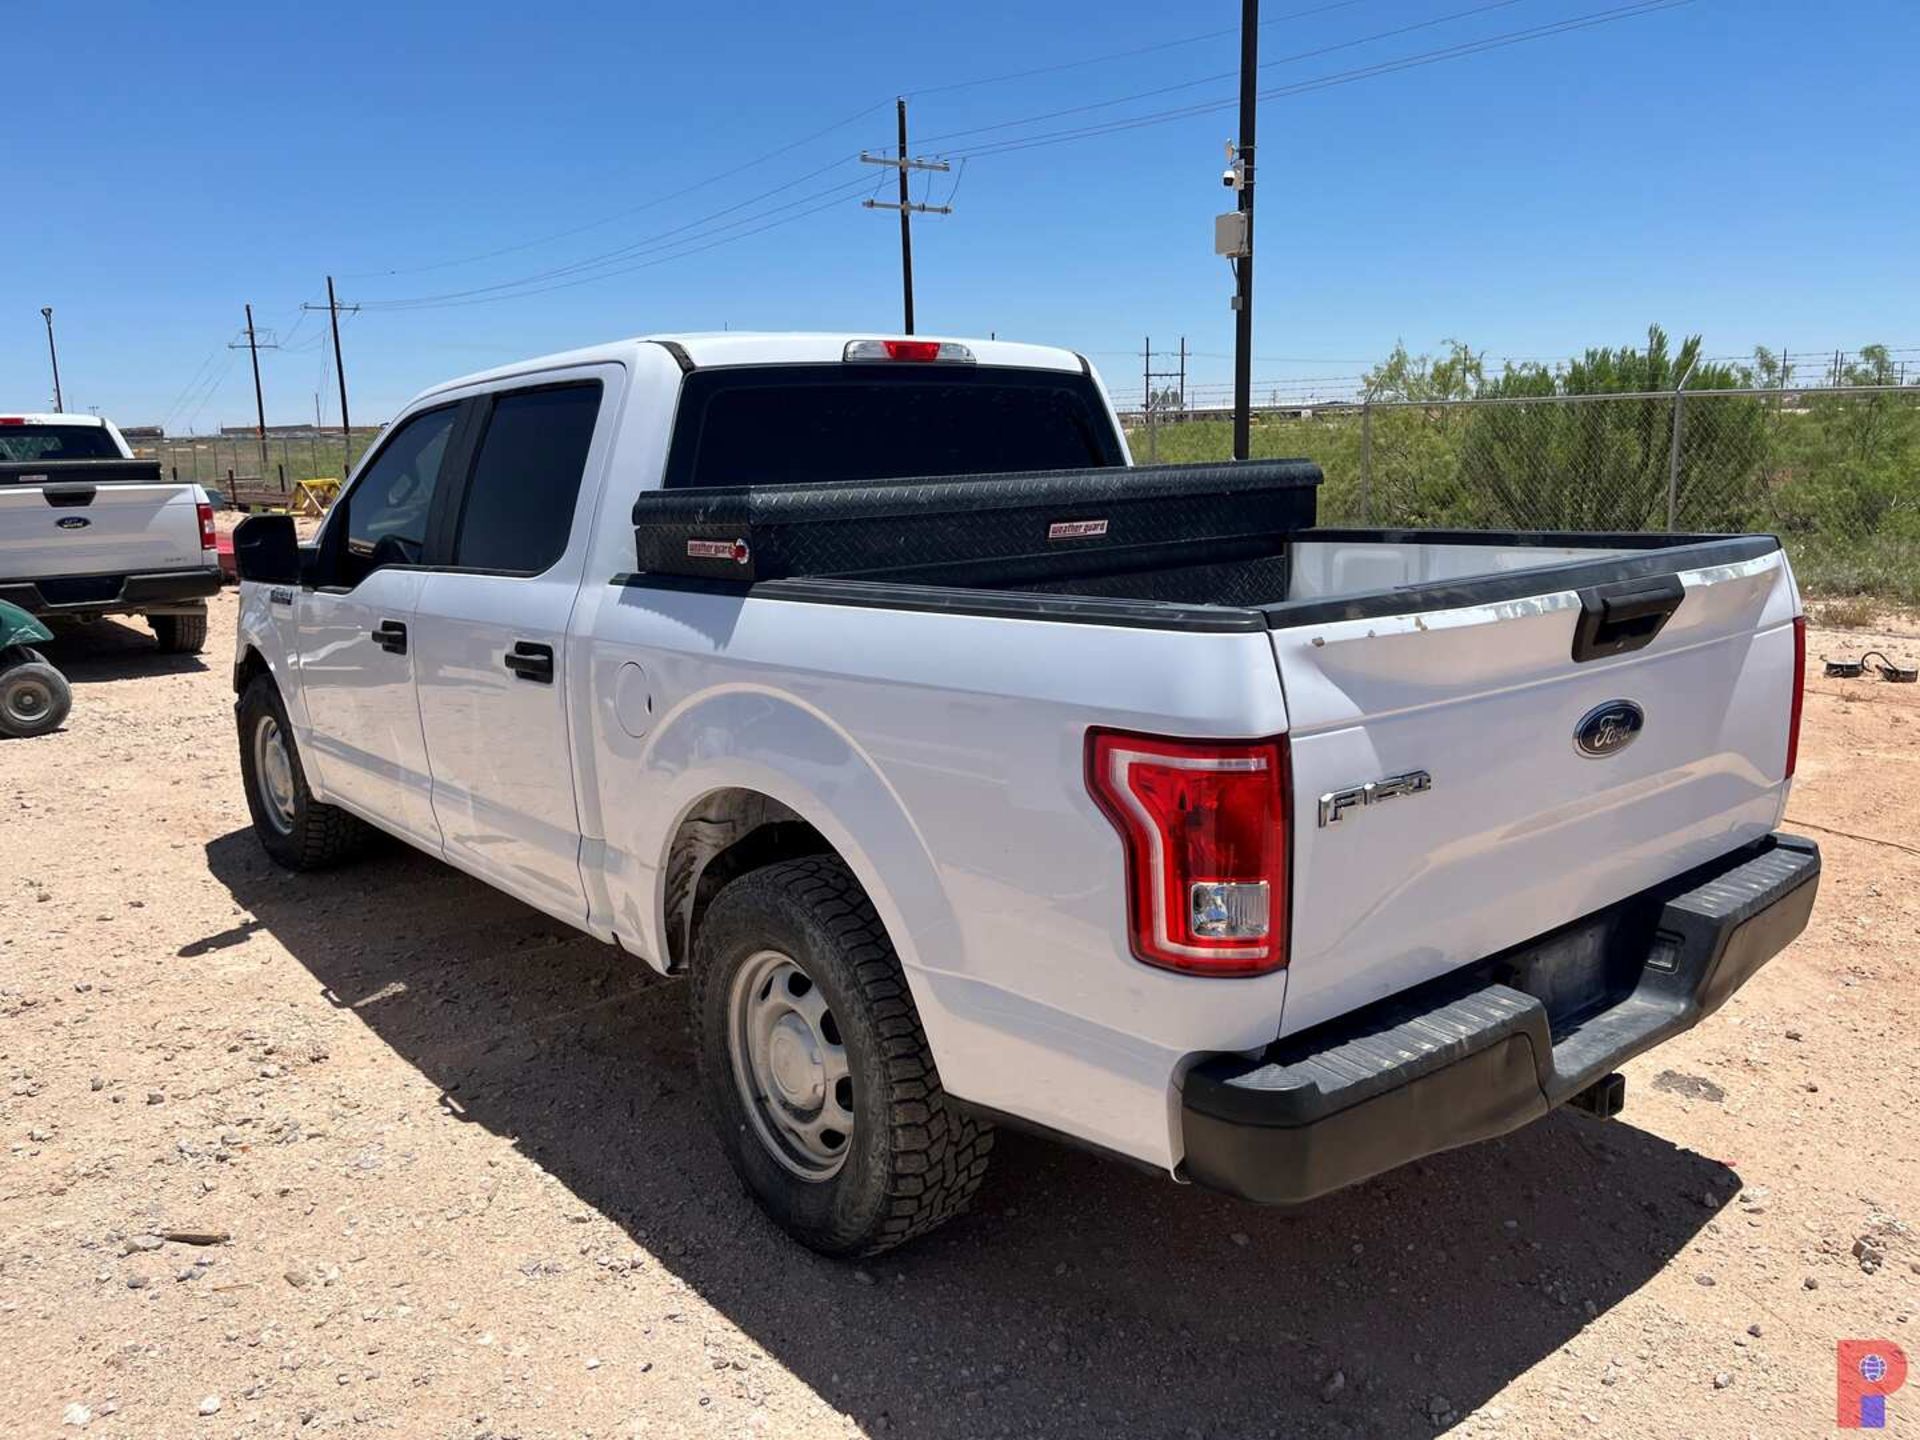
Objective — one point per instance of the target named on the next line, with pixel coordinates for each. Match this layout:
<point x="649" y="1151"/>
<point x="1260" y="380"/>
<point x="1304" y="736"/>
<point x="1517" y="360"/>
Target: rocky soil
<point x="382" y="1152"/>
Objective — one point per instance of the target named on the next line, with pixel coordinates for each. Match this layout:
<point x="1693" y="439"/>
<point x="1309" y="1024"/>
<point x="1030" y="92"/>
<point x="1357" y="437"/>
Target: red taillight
<point x="1204" y="824"/>
<point x="12" y="420"/>
<point x="206" y="526"/>
<point x="1799" y="692"/>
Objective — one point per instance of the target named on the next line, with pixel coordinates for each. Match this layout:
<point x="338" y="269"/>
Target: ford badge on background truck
<point x="973" y="775"/>
<point x="87" y="530"/>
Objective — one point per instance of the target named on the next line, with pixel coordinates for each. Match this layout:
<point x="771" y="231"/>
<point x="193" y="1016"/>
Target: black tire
<point x="312" y="836"/>
<point x="35" y="698"/>
<point x="180" y="634"/>
<point x="914" y="1159"/>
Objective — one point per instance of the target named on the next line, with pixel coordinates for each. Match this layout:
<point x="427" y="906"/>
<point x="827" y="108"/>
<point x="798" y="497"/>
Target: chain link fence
<point x="1834" y="472"/>
<point x="233" y="464"/>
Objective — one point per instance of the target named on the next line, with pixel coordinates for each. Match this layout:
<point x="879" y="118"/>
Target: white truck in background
<point x="86" y="530"/>
<point x="1124" y="804"/>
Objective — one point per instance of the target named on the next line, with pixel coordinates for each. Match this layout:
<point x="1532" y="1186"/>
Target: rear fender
<point x="769" y="743"/>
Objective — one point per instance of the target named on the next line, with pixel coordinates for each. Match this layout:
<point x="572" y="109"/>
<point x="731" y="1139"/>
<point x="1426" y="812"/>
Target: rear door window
<point x="796" y="424"/>
<point x="525" y="481"/>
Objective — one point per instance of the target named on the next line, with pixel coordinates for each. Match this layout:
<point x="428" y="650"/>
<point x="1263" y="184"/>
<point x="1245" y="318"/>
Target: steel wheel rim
<point x="273" y="774"/>
<point x="28" y="700"/>
<point x="790" y="1066"/>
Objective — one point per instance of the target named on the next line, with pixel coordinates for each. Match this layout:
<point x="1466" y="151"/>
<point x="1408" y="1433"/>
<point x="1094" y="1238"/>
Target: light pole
<point x="46" y="313"/>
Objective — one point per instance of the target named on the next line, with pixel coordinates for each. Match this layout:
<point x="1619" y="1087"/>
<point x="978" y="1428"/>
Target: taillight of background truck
<point x="1204" y="825"/>
<point x="206" y="526"/>
<point x="1799" y="692"/>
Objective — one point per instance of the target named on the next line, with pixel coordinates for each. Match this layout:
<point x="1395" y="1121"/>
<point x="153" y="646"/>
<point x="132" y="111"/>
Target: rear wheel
<point x="816" y="1069"/>
<point x="180" y="634"/>
<point x="35" y="698"/>
<point x="296" y="830"/>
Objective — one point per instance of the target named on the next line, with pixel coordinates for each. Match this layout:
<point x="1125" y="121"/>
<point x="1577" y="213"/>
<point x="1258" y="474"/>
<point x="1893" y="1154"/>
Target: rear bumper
<point x="86" y="595"/>
<point x="1484" y="1051"/>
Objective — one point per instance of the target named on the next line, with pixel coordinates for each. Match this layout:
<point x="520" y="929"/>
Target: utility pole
<point x="1243" y="269"/>
<point x="259" y="397"/>
<point x="1146" y="396"/>
<point x="906" y="208"/>
<point x="1149" y="401"/>
<point x="333" y="307"/>
<point x="59" y="404"/>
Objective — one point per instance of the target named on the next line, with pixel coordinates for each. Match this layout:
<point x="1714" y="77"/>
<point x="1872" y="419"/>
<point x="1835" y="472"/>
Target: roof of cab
<point x="52" y="419"/>
<point x="744" y="347"/>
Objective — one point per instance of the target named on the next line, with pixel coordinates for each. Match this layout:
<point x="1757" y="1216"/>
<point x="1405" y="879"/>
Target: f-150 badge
<point x="1336" y="803"/>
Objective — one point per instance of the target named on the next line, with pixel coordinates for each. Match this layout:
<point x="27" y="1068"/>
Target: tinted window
<point x="27" y="443"/>
<point x="386" y="519"/>
<point x="526" y="478"/>
<point x="793" y="424"/>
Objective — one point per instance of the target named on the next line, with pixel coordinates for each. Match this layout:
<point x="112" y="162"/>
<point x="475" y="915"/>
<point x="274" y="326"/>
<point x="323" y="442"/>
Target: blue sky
<point x="1741" y="168"/>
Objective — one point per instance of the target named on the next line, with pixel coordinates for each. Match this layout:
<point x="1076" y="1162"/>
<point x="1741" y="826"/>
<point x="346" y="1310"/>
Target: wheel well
<point x="727" y="834"/>
<point x="251" y="664"/>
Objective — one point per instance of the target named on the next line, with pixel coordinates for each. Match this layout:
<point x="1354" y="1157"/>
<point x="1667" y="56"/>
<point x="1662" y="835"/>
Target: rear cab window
<point x="27" y="443"/>
<point x="799" y="424"/>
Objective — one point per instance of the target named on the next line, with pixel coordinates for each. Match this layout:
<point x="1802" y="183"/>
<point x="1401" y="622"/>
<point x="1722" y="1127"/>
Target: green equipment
<point x="34" y="696"/>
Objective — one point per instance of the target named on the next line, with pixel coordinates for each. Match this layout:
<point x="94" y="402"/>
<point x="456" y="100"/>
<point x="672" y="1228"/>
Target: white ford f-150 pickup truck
<point x="87" y="530"/>
<point x="973" y="775"/>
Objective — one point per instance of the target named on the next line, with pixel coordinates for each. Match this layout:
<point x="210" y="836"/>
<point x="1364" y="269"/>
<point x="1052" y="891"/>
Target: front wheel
<point x="296" y="829"/>
<point x="34" y="697"/>
<point x="816" y="1069"/>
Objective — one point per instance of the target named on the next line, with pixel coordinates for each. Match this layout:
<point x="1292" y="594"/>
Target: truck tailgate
<point x="1520" y="829"/>
<point x="81" y="528"/>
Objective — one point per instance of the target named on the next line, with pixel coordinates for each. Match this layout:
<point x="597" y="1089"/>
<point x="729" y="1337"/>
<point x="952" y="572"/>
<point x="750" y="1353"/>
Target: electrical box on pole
<point x="1230" y="237"/>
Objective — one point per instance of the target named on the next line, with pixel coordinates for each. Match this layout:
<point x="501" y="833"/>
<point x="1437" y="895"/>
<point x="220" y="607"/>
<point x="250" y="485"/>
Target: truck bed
<point x="1208" y="547"/>
<point x="1470" y="659"/>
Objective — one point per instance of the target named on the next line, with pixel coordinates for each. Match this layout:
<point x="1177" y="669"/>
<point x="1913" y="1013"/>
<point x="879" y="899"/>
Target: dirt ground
<point x="470" y="1192"/>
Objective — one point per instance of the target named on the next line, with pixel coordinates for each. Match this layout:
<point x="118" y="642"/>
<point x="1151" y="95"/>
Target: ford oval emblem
<point x="73" y="522"/>
<point x="1608" y="729"/>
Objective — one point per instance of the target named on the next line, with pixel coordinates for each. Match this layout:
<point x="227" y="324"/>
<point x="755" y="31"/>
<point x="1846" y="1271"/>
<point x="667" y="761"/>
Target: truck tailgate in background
<point x="1520" y="830"/>
<point x="75" y="527"/>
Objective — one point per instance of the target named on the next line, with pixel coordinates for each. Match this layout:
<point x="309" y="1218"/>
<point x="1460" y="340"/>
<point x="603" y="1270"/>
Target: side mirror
<point x="266" y="548"/>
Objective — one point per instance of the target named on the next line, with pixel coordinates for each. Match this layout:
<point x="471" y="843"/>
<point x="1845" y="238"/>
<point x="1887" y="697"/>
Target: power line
<point x="212" y="387"/>
<point x="612" y="258"/>
<point x="1292" y="59"/>
<point x="655" y="203"/>
<point x="1325" y="82"/>
<point x="832" y="195"/>
<point x="838" y="194"/>
<point x="186" y="390"/>
<point x="1113" y="55"/>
